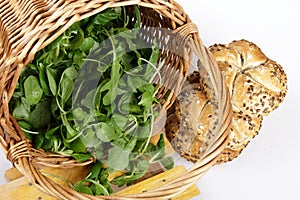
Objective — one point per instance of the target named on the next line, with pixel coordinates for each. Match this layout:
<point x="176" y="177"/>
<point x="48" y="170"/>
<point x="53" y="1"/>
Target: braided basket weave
<point x="26" y="26"/>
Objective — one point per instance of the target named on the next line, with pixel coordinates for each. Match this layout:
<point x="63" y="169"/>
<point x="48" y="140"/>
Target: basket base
<point x="20" y="187"/>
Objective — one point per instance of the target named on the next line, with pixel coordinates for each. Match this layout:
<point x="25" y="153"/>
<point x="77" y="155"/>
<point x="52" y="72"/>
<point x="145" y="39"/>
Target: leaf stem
<point x="31" y="132"/>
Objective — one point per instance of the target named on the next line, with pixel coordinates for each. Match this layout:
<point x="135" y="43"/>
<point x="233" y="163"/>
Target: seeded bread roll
<point x="257" y="84"/>
<point x="189" y="120"/>
<point x="191" y="116"/>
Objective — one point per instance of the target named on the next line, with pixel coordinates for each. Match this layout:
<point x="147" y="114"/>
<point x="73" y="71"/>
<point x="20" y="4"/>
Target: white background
<point x="269" y="168"/>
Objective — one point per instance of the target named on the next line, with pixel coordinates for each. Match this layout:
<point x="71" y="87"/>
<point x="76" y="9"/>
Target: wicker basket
<point x="28" y="26"/>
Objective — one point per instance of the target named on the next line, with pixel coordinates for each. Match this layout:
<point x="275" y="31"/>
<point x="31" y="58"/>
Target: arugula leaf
<point x="168" y="163"/>
<point x="33" y="90"/>
<point x="49" y="134"/>
<point x="52" y="82"/>
<point x="43" y="80"/>
<point x="40" y="117"/>
<point x="80" y="157"/>
<point x="107" y="16"/>
<point x="20" y="112"/>
<point x="120" y="120"/>
<point x="87" y="44"/>
<point x="138" y="171"/>
<point x="147" y="100"/>
<point x="79" y="114"/>
<point x="66" y="86"/>
<point x="95" y="170"/>
<point x="89" y="139"/>
<point x="89" y="100"/>
<point x="39" y="140"/>
<point x="105" y="132"/>
<point x="78" y="146"/>
<point x="74" y="37"/>
<point x="118" y="158"/>
<point x="82" y="188"/>
<point x="70" y="72"/>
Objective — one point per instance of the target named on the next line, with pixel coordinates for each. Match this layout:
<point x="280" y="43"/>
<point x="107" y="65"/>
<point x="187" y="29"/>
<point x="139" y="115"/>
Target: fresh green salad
<point x="89" y="95"/>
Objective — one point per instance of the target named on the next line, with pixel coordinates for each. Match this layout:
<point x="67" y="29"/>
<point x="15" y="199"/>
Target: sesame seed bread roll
<point x="191" y="116"/>
<point x="257" y="86"/>
<point x="256" y="83"/>
<point x="189" y="121"/>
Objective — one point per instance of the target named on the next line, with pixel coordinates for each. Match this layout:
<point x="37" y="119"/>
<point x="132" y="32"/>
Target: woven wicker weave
<point x="27" y="26"/>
